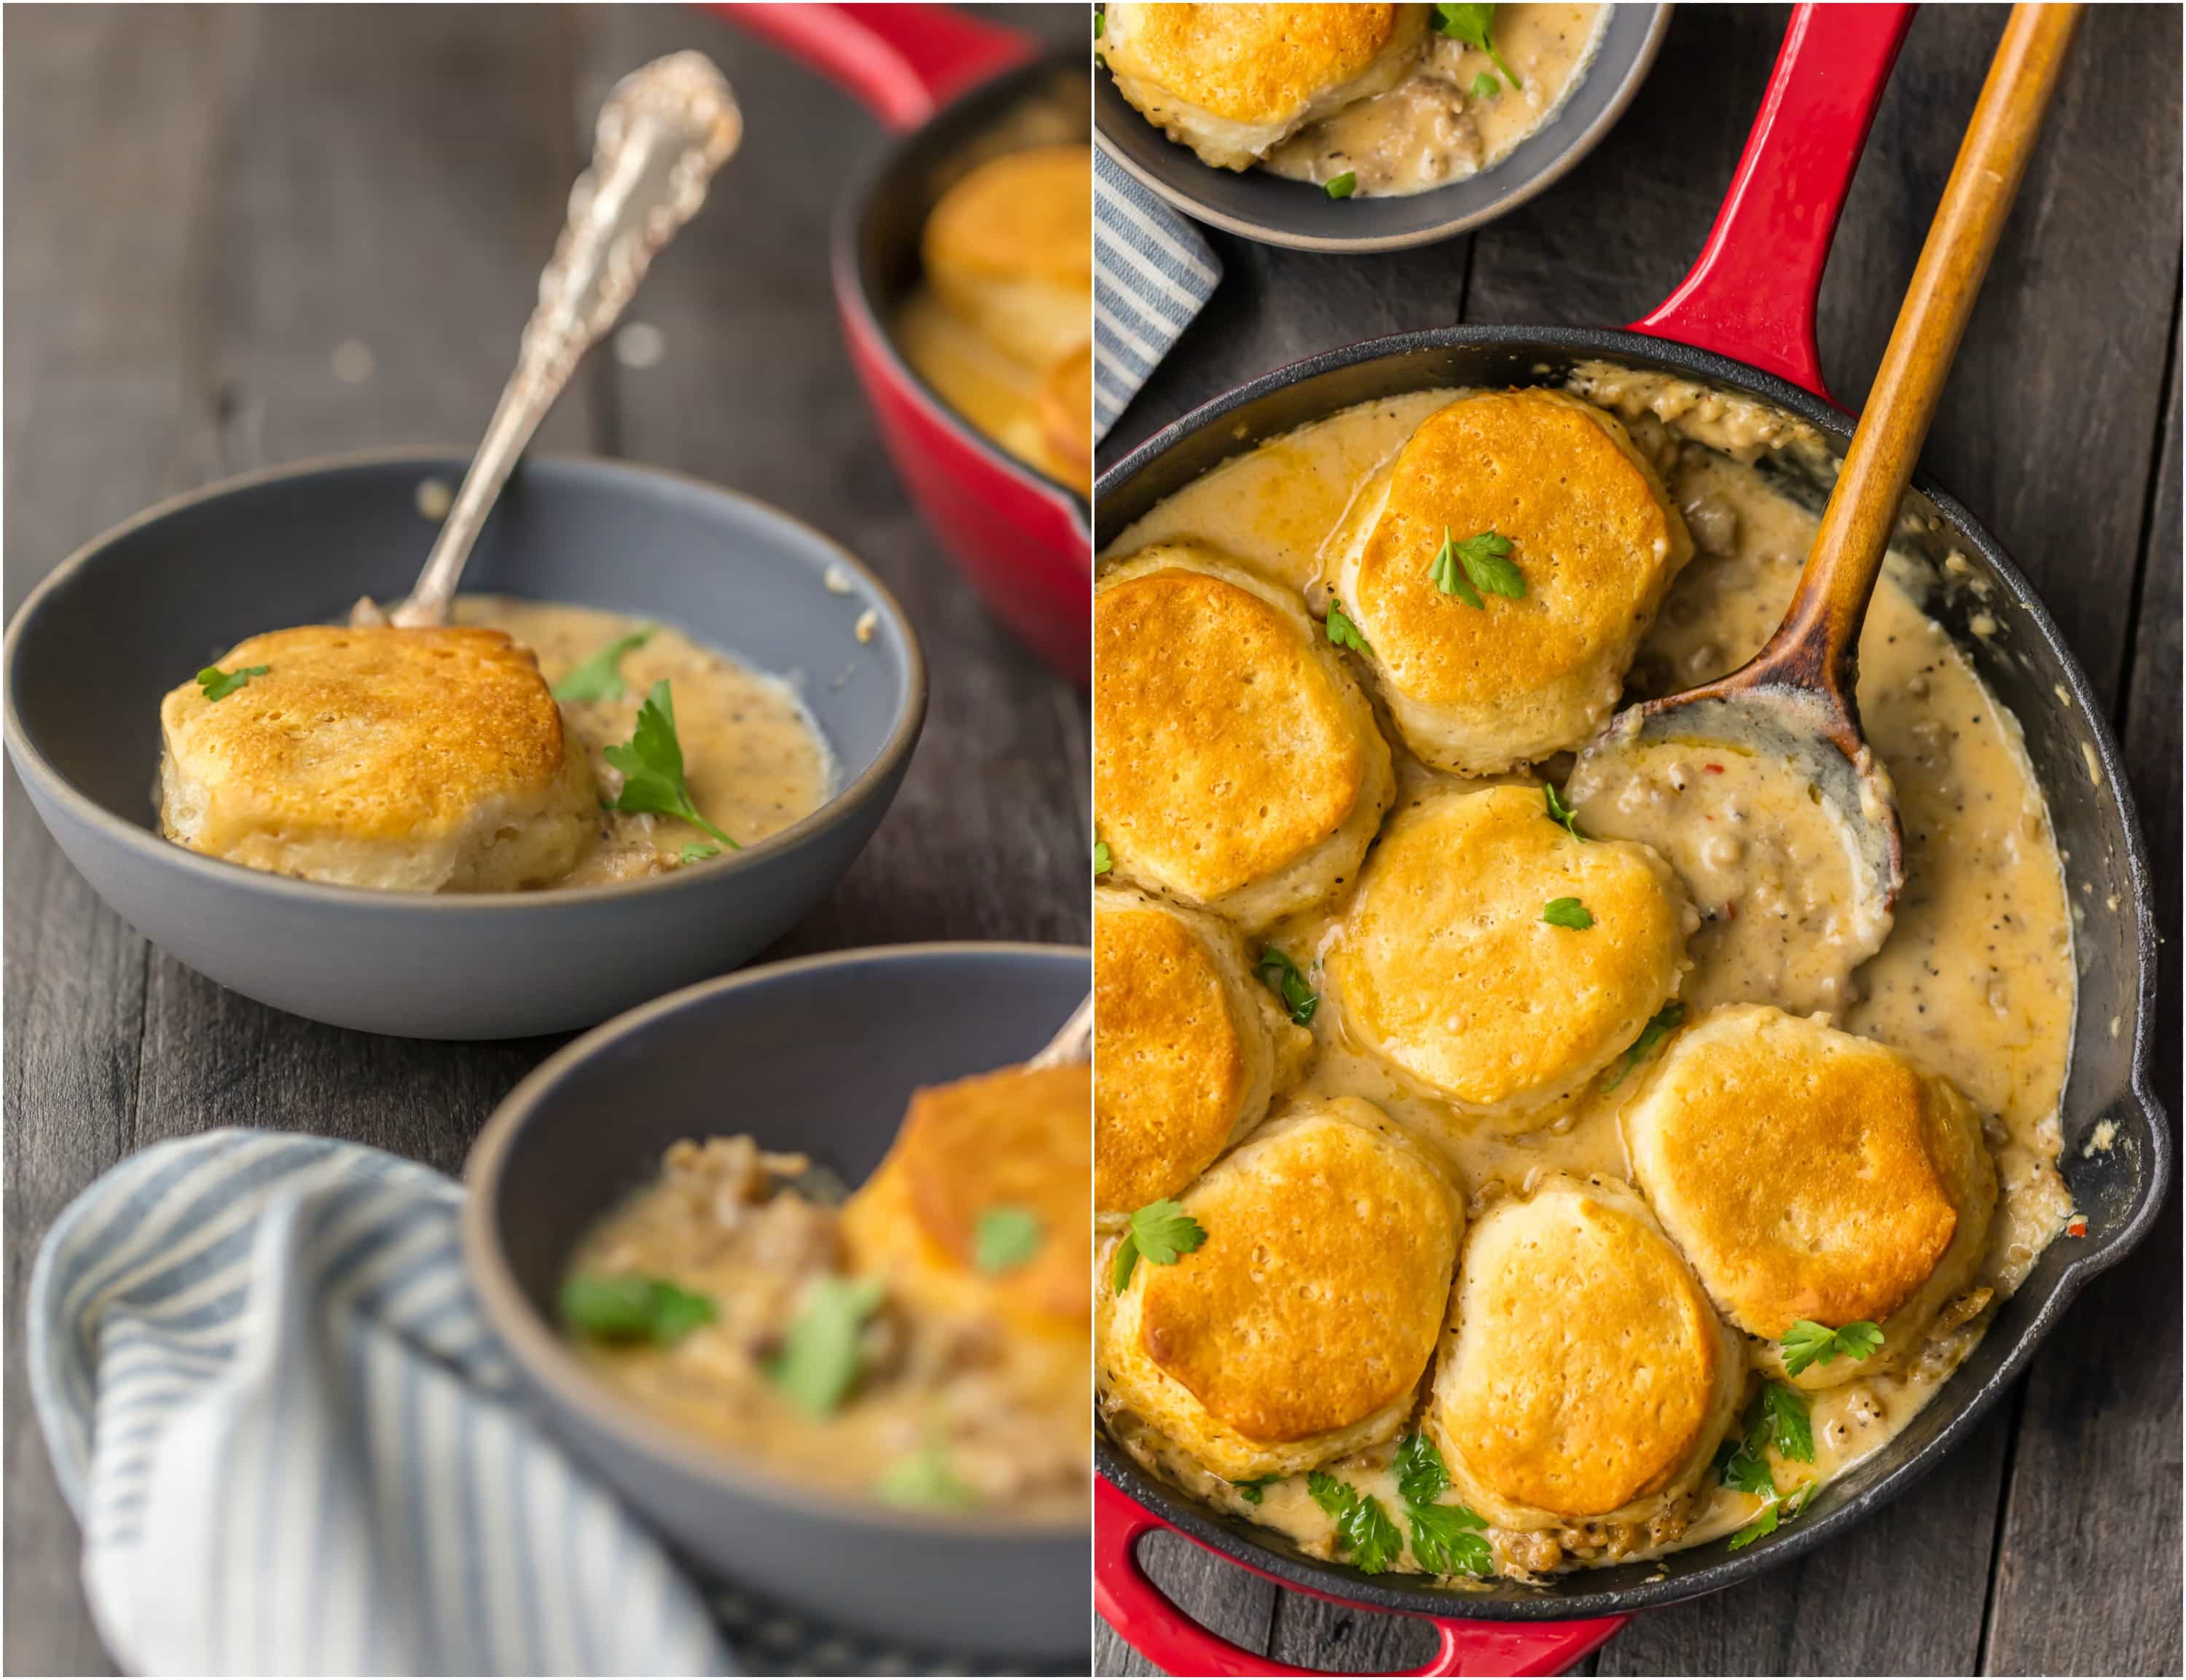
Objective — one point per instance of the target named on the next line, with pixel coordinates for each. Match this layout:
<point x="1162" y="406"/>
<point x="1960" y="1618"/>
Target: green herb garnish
<point x="1103" y="859"/>
<point x="600" y="677"/>
<point x="1766" y="1519"/>
<point x="1450" y="1540"/>
<point x="1344" y="633"/>
<point x="1485" y="87"/>
<point x="1422" y="1475"/>
<point x="1005" y="1238"/>
<point x="218" y="683"/>
<point x="1342" y="186"/>
<point x="1777" y="1420"/>
<point x="698" y="852"/>
<point x="1254" y="1489"/>
<point x="1161" y="1232"/>
<point x="1807" y="1343"/>
<point x="652" y="766"/>
<point x="1281" y="976"/>
<point x="1332" y="1496"/>
<point x="1470" y="24"/>
<point x="1099" y="23"/>
<point x="1562" y="815"/>
<point x="923" y="1481"/>
<point x="818" y="1358"/>
<point x="1567" y="912"/>
<point x="632" y="1309"/>
<point x="1362" y="1528"/>
<point x="1789" y="1421"/>
<point x="1663" y="1022"/>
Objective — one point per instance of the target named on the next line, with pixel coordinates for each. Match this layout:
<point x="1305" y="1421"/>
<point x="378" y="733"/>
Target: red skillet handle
<point x="1173" y="1642"/>
<point x="1750" y="296"/>
<point x="902" y="62"/>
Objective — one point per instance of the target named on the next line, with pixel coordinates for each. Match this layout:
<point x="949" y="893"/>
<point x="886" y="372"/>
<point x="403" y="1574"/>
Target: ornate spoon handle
<point x="663" y="132"/>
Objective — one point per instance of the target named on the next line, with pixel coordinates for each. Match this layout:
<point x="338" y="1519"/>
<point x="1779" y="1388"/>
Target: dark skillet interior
<point x="2119" y="1188"/>
<point x="1041" y="103"/>
<point x="1262" y="206"/>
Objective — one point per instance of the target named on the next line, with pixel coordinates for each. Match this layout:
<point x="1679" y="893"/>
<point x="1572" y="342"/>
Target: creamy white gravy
<point x="1977" y="977"/>
<point x="754" y="759"/>
<point x="1432" y="128"/>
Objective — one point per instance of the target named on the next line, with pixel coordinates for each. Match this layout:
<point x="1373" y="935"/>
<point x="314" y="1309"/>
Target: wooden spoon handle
<point x="1817" y="646"/>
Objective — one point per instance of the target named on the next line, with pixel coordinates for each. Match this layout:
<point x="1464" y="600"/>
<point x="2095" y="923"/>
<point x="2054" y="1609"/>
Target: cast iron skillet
<point x="959" y="92"/>
<point x="820" y="1055"/>
<point x="1757" y="294"/>
<point x="1258" y="206"/>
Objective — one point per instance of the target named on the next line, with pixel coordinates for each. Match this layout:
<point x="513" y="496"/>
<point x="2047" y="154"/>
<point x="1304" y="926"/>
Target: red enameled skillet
<point x="944" y="82"/>
<point x="1743" y="321"/>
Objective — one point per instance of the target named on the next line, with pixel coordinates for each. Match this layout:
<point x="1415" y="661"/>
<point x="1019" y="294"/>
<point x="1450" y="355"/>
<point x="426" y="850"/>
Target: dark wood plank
<point x="2095" y="1471"/>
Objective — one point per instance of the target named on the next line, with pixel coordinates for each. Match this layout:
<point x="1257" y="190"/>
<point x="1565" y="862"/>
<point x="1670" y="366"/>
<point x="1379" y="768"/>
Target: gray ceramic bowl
<point x="821" y="1055"/>
<point x="1275" y="211"/>
<point x="120" y="621"/>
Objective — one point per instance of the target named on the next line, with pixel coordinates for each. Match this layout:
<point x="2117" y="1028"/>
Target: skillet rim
<point x="1341" y="1582"/>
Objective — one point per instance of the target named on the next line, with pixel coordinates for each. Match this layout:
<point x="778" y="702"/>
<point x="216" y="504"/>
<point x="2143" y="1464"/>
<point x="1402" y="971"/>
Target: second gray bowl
<point x="120" y="621"/>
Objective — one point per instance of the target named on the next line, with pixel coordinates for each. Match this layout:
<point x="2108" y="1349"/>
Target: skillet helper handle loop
<point x="1819" y="638"/>
<point x="1130" y="1602"/>
<point x="903" y="63"/>
<point x="1750" y="294"/>
<point x="662" y="133"/>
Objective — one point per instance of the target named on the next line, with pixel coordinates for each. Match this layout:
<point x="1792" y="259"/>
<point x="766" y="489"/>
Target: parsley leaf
<point x="1481" y="564"/>
<point x="1789" y="1421"/>
<point x="632" y="1309"/>
<point x="1254" y="1489"/>
<point x="1741" y="1468"/>
<point x="1422" y="1475"/>
<point x="1103" y="859"/>
<point x="1162" y="1233"/>
<point x="1807" y="1343"/>
<point x="652" y="766"/>
<point x="1485" y="87"/>
<point x="1567" y="912"/>
<point x="1099" y="23"/>
<point x="1280" y="975"/>
<point x="218" y="683"/>
<point x="1005" y="1238"/>
<point x="1469" y="24"/>
<point x="818" y="1358"/>
<point x="600" y="677"/>
<point x="698" y="852"/>
<point x="1664" y="1021"/>
<point x="1448" y="577"/>
<point x="1365" y="1532"/>
<point x="1562" y="815"/>
<point x="1342" y="186"/>
<point x="1763" y="1523"/>
<point x="1332" y="1496"/>
<point x="1343" y="632"/>
<point x="923" y="1481"/>
<point x="1447" y="1540"/>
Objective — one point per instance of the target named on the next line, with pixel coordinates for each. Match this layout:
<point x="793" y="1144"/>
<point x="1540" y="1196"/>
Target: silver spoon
<point x="662" y="133"/>
<point x="1073" y="1041"/>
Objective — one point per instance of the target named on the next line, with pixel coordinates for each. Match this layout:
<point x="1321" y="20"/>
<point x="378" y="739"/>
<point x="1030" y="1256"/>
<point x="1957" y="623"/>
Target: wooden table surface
<point x="203" y="205"/>
<point x="2049" y="1543"/>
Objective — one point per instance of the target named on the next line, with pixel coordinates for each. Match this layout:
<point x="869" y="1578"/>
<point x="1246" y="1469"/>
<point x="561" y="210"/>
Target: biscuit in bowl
<point x="1298" y="1330"/>
<point x="1065" y="405"/>
<point x="418" y="760"/>
<point x="1595" y="541"/>
<point x="1585" y="1377"/>
<point x="1234" y="82"/>
<point x="1237" y="764"/>
<point x="1807" y="1174"/>
<point x="1447" y="967"/>
<point x="1189" y="1046"/>
<point x="1009" y="249"/>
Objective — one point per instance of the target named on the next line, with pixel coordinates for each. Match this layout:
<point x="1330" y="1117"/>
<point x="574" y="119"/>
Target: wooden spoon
<point x="1795" y="699"/>
<point x="663" y="131"/>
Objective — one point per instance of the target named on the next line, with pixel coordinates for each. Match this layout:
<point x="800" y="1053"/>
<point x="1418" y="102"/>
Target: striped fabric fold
<point x="1152" y="272"/>
<point x="294" y="1447"/>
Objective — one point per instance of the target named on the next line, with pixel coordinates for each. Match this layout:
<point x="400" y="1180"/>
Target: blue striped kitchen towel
<point x="295" y="1449"/>
<point x="1151" y="274"/>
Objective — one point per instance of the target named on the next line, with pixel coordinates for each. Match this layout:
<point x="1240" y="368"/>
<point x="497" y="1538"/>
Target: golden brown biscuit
<point x="1585" y="1375"/>
<point x="1066" y="414"/>
<point x="1189" y="1046"/>
<point x="1810" y="1174"/>
<point x="1010" y="249"/>
<point x="1235" y="763"/>
<point x="1299" y="1328"/>
<point x="1233" y="81"/>
<point x="426" y="760"/>
<point x="1446" y="968"/>
<point x="1593" y="535"/>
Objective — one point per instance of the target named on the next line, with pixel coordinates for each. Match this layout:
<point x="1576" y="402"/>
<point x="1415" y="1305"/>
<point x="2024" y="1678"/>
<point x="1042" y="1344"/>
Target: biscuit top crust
<point x="1254" y="63"/>
<point x="1171" y="1071"/>
<point x="369" y="734"/>
<point x="1223" y="750"/>
<point x="1591" y="529"/>
<point x="1587" y="1356"/>
<point x="1317" y="1297"/>
<point x="1026" y="213"/>
<point x="1017" y="1138"/>
<point x="1810" y="1174"/>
